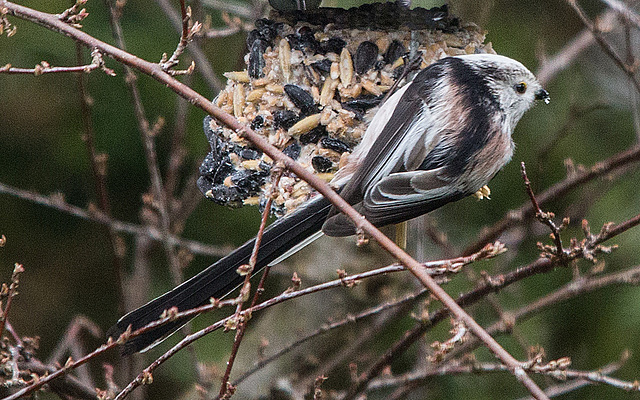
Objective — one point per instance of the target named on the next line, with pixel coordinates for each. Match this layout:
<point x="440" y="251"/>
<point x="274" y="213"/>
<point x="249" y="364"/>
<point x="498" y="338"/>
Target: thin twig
<point x="544" y="217"/>
<point x="242" y="321"/>
<point x="287" y="295"/>
<point x="98" y="163"/>
<point x="52" y="375"/>
<point x="624" y="10"/>
<point x="552" y="66"/>
<point x="329" y="326"/>
<point x="571" y="290"/>
<point x="45" y="68"/>
<point x="10" y="294"/>
<point x="95" y="215"/>
<point x="490" y="285"/>
<point x="236" y="8"/>
<point x="629" y="70"/>
<point x="148" y="134"/>
<point x="186" y="36"/>
<point x="555" y="391"/>
<point x="518" y="215"/>
<point x="203" y="64"/>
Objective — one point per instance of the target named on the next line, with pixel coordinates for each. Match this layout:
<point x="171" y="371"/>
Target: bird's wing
<point x="404" y="173"/>
<point x="405" y="195"/>
<point x="392" y="182"/>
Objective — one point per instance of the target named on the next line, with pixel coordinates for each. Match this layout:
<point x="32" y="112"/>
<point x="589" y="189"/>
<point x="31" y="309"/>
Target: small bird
<point x="438" y="139"/>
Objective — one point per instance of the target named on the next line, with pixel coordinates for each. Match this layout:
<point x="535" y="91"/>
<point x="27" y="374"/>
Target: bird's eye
<point x="520" y="87"/>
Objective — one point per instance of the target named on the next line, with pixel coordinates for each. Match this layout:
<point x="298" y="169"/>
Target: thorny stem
<point x="362" y="224"/>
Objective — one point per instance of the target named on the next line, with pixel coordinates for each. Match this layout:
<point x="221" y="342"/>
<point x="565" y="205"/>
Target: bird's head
<point x="512" y="84"/>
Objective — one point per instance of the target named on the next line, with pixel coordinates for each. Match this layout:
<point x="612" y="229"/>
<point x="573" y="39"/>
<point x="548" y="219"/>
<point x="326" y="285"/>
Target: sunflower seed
<point x="313" y="135"/>
<point x="284" y="119"/>
<point x="292" y="150"/>
<point x="301" y="98"/>
<point x="323" y="65"/>
<point x="366" y="56"/>
<point x="256" y="59"/>
<point x="395" y="50"/>
<point x="336" y="145"/>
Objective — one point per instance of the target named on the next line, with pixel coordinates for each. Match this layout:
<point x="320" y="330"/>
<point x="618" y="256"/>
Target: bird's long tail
<point x="221" y="277"/>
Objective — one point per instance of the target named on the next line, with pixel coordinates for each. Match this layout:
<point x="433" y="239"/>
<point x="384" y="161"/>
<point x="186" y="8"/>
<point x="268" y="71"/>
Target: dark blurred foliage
<point x="69" y="263"/>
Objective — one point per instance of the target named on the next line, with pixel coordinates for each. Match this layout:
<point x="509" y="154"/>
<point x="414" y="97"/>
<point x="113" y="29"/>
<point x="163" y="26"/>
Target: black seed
<point x="221" y="194"/>
<point x="248" y="182"/>
<point x="322" y="65"/>
<point x="268" y="29"/>
<point x="285" y="119"/>
<point x="321" y="164"/>
<point x="304" y="41"/>
<point x="257" y="123"/>
<point x="366" y="56"/>
<point x="256" y="58"/>
<point x="333" y="45"/>
<point x="212" y="135"/>
<point x="249" y="154"/>
<point x="314" y="135"/>
<point x="396" y="50"/>
<point x="294" y="42"/>
<point x="301" y="98"/>
<point x="292" y="150"/>
<point x="264" y="167"/>
<point x="305" y="30"/>
<point x="252" y="37"/>
<point x="263" y="23"/>
<point x="334" y="144"/>
<point x="362" y="103"/>
<point x="397" y="73"/>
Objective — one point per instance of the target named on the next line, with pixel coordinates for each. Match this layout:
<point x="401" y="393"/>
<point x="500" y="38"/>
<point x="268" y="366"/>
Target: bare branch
<point x="580" y="176"/>
<point x="629" y="70"/>
<point x="45" y="68"/>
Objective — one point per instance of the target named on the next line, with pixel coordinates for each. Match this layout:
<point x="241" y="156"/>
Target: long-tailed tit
<point x="438" y="139"/>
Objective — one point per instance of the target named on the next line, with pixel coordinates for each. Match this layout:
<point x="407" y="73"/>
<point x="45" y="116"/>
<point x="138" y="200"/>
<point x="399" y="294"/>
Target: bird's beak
<point x="542" y="94"/>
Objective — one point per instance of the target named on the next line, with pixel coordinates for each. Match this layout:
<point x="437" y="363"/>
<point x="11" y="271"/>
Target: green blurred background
<point x="68" y="261"/>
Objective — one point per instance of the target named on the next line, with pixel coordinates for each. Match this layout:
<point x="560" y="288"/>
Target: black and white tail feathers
<point x="221" y="277"/>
